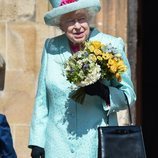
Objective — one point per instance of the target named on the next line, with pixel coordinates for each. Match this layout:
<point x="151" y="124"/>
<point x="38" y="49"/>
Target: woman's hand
<point x="37" y="152"/>
<point x="98" y="89"/>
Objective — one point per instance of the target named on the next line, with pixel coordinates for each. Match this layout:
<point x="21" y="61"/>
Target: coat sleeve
<point x="118" y="90"/>
<point x="6" y="142"/>
<point x="40" y="111"/>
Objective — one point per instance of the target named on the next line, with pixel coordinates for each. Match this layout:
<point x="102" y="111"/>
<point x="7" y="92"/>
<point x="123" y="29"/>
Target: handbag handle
<point x="129" y="112"/>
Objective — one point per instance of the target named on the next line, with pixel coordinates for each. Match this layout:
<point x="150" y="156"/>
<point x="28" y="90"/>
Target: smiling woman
<point x="61" y="126"/>
<point x="75" y="25"/>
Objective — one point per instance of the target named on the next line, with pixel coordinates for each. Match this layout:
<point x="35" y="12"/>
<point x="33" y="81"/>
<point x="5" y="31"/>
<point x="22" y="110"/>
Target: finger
<point x="43" y="156"/>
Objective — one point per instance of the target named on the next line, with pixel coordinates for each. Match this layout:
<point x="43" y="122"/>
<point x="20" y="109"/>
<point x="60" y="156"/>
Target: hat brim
<point x="50" y="16"/>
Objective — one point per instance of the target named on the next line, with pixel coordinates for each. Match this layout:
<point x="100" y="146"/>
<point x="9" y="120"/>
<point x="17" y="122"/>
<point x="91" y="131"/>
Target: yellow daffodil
<point x="118" y="77"/>
<point x="107" y="56"/>
<point x="97" y="52"/>
<point x="96" y="44"/>
<point x="92" y="57"/>
<point x="122" y="68"/>
<point x="120" y="62"/>
<point x="113" y="69"/>
<point x="99" y="58"/>
<point x="91" y="48"/>
<point x="111" y="62"/>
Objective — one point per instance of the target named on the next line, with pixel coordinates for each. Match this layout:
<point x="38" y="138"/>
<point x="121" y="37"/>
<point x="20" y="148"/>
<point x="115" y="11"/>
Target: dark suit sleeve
<point x="6" y="142"/>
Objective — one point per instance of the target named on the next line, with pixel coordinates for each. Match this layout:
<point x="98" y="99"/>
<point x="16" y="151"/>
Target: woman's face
<point x="75" y="25"/>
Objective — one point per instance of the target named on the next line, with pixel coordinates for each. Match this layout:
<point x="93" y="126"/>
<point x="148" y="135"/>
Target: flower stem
<point x="79" y="95"/>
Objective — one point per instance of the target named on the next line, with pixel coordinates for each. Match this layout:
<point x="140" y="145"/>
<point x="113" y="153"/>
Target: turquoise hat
<point x="61" y="7"/>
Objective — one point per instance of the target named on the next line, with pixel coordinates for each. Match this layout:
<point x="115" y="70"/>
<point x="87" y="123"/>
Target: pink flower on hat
<point x="63" y="2"/>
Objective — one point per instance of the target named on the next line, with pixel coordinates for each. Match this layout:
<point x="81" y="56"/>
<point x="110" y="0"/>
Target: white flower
<point x="91" y="77"/>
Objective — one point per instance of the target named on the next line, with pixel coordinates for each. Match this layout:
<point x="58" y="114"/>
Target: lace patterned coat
<point x="64" y="128"/>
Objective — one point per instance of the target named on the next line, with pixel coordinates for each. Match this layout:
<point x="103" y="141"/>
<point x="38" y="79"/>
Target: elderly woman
<point x="62" y="127"/>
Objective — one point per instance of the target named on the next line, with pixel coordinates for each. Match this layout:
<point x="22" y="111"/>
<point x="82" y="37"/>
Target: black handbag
<point x="121" y="141"/>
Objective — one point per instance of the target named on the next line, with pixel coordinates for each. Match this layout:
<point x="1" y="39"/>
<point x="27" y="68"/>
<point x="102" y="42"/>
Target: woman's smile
<point x="79" y="34"/>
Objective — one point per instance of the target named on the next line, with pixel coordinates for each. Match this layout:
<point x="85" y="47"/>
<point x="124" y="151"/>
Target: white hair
<point x="91" y="15"/>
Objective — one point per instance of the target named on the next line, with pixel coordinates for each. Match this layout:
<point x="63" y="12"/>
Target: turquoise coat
<point x="64" y="128"/>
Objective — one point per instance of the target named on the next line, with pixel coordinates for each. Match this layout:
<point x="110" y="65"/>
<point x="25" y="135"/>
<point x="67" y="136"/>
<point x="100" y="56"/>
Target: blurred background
<point x="22" y="35"/>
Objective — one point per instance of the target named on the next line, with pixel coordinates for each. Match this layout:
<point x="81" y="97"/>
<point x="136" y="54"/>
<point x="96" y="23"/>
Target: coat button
<point x="72" y="151"/>
<point x="71" y="115"/>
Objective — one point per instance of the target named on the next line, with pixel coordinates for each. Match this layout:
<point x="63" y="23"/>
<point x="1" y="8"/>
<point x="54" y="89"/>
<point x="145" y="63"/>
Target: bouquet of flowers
<point x="96" y="61"/>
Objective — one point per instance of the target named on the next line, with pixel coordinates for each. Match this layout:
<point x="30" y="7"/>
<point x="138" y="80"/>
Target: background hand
<point x="37" y="152"/>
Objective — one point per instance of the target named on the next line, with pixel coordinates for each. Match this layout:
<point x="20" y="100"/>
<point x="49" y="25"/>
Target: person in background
<point x="6" y="143"/>
<point x="61" y="127"/>
<point x="2" y="73"/>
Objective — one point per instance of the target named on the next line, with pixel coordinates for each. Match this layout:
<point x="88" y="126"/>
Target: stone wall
<point x="22" y="35"/>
